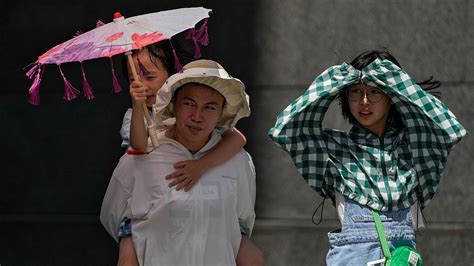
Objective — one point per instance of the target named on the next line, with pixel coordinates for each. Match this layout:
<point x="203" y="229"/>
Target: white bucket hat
<point x="209" y="73"/>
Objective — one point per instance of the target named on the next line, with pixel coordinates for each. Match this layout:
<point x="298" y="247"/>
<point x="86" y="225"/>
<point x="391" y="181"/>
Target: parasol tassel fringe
<point x="205" y="39"/>
<point x="177" y="64"/>
<point x="202" y="36"/>
<point x="191" y="34"/>
<point x="197" y="50"/>
<point x="86" y="87"/>
<point x="142" y="68"/>
<point x="115" y="83"/>
<point x="34" y="70"/>
<point x="70" y="93"/>
<point x="34" y="98"/>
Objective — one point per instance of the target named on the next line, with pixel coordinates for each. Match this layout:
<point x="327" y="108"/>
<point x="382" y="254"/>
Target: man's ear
<point x="171" y="106"/>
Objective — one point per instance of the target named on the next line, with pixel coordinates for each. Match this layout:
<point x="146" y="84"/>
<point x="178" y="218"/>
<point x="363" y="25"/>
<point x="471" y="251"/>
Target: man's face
<point x="197" y="108"/>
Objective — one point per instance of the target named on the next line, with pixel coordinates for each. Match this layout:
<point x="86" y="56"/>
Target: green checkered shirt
<point x="387" y="173"/>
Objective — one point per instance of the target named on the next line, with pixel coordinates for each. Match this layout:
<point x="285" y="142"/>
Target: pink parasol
<point x="120" y="37"/>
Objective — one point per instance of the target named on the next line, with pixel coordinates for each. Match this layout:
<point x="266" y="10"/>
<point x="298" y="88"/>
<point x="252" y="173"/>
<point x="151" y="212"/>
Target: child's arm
<point x="188" y="172"/>
<point x="138" y="133"/>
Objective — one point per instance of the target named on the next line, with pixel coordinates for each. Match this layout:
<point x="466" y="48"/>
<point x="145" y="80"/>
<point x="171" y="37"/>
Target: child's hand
<point x="138" y="92"/>
<point x="186" y="175"/>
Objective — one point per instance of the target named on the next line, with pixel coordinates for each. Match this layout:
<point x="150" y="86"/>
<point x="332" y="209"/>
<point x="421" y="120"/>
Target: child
<point x="155" y="64"/>
<point x="391" y="160"/>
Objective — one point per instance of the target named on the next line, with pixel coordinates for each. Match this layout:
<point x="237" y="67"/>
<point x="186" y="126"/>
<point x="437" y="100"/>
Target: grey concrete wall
<point x="51" y="192"/>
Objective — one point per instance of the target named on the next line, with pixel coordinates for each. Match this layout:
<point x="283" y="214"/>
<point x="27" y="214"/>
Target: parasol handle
<point x="151" y="130"/>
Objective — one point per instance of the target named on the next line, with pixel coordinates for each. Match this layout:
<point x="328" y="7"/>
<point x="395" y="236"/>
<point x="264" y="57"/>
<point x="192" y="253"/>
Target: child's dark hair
<point x="158" y="51"/>
<point x="364" y="59"/>
<point x="163" y="51"/>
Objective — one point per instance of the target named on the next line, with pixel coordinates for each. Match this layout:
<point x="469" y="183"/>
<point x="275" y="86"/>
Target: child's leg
<point x="249" y="254"/>
<point x="127" y="255"/>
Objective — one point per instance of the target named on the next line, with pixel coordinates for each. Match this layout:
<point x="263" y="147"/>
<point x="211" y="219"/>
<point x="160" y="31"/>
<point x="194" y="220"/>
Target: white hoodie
<point x="169" y="227"/>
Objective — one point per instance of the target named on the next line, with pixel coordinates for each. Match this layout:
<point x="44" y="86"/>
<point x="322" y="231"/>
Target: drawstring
<point x="424" y="221"/>
<point x="322" y="211"/>
<point x="418" y="209"/>
<point x="424" y="218"/>
<point x="417" y="232"/>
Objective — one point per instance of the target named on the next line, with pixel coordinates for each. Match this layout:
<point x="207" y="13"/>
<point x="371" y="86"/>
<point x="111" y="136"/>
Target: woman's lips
<point x="365" y="114"/>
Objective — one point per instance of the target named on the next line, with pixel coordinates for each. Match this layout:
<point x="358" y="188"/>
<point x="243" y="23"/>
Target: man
<point x="205" y="225"/>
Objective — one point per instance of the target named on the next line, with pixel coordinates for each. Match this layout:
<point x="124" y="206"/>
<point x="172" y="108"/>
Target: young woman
<point x="390" y="161"/>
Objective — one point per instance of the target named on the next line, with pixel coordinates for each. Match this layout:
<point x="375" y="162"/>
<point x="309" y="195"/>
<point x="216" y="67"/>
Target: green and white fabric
<point x="387" y="173"/>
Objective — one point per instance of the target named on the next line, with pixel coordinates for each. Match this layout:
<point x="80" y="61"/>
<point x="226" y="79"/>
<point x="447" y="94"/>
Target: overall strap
<point x="382" y="238"/>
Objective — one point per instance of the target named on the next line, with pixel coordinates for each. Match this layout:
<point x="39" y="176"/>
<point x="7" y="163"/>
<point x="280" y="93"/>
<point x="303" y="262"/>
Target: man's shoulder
<point x="242" y="160"/>
<point x="243" y="155"/>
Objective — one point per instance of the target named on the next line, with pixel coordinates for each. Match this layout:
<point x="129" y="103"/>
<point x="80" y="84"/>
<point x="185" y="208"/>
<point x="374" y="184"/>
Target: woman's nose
<point x="365" y="98"/>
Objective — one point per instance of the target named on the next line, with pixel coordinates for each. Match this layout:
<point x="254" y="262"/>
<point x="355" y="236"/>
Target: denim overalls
<point x="357" y="242"/>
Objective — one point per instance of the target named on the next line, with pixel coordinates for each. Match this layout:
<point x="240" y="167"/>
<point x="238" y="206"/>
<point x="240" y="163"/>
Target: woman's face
<point x="154" y="76"/>
<point x="369" y="106"/>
